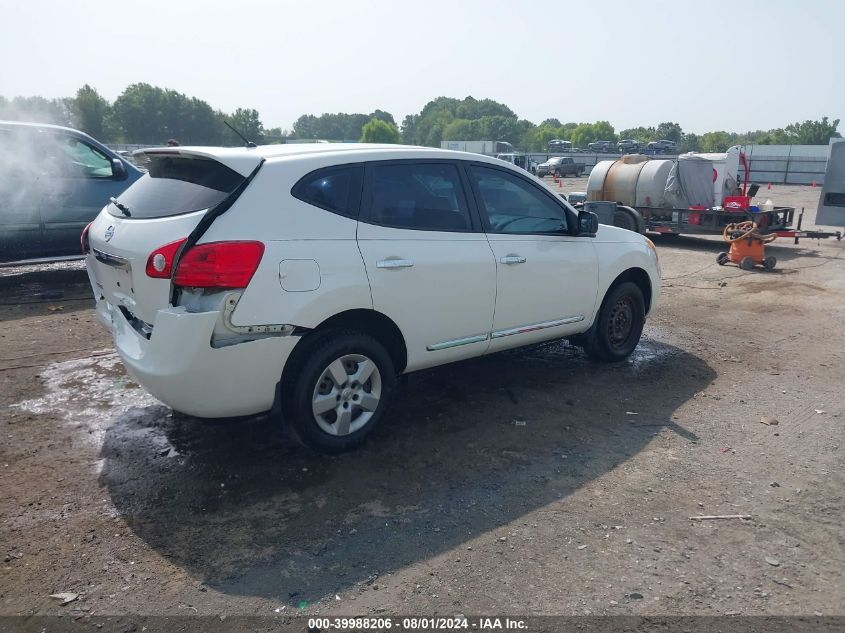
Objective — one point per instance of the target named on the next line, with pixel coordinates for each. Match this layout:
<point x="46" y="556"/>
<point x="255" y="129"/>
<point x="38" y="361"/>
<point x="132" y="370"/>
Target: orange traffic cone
<point x="814" y="184"/>
<point x="770" y="185"/>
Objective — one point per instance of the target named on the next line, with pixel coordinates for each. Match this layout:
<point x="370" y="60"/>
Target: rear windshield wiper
<point x="123" y="208"/>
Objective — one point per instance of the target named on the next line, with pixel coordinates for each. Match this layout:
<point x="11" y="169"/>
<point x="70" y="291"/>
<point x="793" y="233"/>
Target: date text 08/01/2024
<point x="416" y="624"/>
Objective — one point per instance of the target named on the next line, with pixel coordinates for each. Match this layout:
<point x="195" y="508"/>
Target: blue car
<point x="53" y="182"/>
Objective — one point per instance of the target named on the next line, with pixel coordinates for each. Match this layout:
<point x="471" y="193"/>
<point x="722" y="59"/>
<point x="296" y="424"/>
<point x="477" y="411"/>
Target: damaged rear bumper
<point x="179" y="366"/>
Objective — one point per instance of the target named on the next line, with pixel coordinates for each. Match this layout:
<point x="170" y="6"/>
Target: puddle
<point x="648" y="352"/>
<point x="90" y="394"/>
<point x="52" y="267"/>
<point x="653" y="347"/>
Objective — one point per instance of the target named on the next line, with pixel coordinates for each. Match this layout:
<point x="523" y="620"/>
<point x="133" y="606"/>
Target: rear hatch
<point x="162" y="207"/>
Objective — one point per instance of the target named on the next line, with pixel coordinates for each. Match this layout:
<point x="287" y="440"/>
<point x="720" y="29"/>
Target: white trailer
<point x="488" y="148"/>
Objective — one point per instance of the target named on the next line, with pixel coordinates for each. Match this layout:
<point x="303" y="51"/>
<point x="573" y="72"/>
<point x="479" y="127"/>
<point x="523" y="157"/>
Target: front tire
<point x="339" y="391"/>
<point x="619" y="325"/>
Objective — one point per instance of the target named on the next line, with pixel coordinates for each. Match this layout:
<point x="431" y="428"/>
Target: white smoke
<point x="30" y="162"/>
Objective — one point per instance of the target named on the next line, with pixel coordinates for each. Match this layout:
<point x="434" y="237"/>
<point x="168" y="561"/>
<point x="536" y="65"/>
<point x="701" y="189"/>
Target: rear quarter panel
<point x="294" y="230"/>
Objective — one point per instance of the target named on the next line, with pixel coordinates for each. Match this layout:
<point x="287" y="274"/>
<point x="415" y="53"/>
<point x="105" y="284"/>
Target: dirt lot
<point x="530" y="482"/>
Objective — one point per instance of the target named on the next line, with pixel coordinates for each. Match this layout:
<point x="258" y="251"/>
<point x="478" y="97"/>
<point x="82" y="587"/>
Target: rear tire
<point x="770" y="262"/>
<point x="618" y="326"/>
<point x="746" y="263"/>
<point x="722" y="259"/>
<point x="338" y="390"/>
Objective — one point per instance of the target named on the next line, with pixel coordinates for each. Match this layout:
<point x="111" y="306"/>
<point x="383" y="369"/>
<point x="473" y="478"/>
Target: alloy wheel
<point x="347" y="394"/>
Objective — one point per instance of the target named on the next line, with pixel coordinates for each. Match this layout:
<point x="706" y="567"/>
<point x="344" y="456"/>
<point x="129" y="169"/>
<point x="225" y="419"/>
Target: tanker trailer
<point x="694" y="193"/>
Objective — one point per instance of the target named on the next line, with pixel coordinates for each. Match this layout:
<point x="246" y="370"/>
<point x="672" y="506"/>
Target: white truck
<point x="488" y="148"/>
<point x="520" y="160"/>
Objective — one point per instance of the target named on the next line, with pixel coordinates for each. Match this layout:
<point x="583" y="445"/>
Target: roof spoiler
<point x="236" y="159"/>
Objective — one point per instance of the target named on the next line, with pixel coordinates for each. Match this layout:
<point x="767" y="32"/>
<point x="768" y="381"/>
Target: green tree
<point x="690" y="143"/>
<point x="641" y="134"/>
<point x="303" y="127"/>
<point x="777" y="136"/>
<point x="715" y="142"/>
<point x="669" y="132"/>
<point x="462" y="130"/>
<point x="409" y="129"/>
<point x="276" y="135"/>
<point x="604" y="131"/>
<point x="537" y="139"/>
<point x="381" y="115"/>
<point x="91" y="113"/>
<point x="149" y="114"/>
<point x="247" y="122"/>
<point x="587" y="133"/>
<point x="499" y="128"/>
<point x="812" y="132"/>
<point x="378" y="131"/>
<point x="524" y="130"/>
<point x="582" y="135"/>
<point x="339" y="126"/>
<point x="431" y="125"/>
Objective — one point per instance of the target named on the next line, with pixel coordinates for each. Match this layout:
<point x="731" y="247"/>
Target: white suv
<point x="303" y="279"/>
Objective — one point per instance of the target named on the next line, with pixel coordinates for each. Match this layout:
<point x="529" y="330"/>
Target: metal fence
<point x="787" y="164"/>
<point x="130" y="147"/>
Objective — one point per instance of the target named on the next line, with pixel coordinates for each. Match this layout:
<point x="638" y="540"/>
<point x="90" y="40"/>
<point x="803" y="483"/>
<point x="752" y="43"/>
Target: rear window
<point x="175" y="185"/>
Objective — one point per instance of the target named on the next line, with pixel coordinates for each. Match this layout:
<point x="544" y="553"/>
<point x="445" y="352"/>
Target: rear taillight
<point x="83" y="239"/>
<point x="160" y="261"/>
<point x="219" y="265"/>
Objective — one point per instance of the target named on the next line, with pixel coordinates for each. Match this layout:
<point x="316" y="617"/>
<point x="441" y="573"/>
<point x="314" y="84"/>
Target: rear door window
<point x="419" y="196"/>
<point x="175" y="185"/>
<point x="335" y="189"/>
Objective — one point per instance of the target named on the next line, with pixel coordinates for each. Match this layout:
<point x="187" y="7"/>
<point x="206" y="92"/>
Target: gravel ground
<point x="528" y="482"/>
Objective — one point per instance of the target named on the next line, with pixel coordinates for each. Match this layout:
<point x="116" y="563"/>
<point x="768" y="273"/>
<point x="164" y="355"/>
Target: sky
<point x="708" y="64"/>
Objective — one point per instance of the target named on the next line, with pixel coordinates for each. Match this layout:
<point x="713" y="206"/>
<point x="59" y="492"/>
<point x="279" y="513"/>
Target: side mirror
<point x="588" y="223"/>
<point x="118" y="169"/>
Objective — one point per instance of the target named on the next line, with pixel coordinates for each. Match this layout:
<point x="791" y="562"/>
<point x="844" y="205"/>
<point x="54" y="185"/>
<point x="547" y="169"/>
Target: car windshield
<point x="554" y="161"/>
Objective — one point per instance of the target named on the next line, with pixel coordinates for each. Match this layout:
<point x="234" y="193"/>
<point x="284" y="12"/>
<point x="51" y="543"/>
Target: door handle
<point x="513" y="259"/>
<point x="394" y="263"/>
